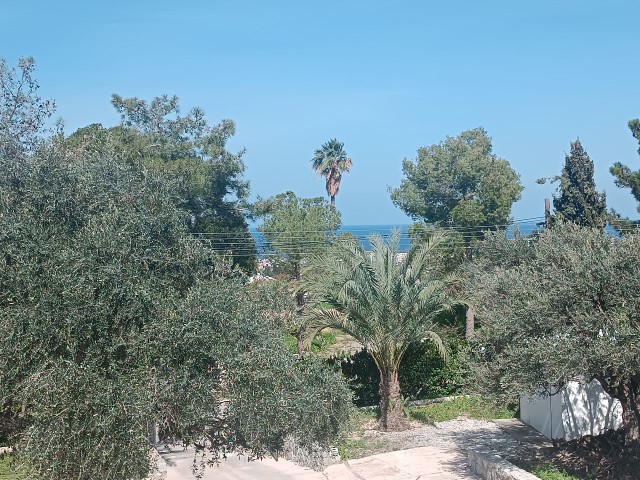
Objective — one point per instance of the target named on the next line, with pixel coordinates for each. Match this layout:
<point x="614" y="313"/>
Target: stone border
<point x="493" y="467"/>
<point x="418" y="403"/>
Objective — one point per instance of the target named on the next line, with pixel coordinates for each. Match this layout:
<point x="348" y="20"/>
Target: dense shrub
<point x="423" y="373"/>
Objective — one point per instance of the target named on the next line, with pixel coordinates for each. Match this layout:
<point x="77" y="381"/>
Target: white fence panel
<point x="577" y="410"/>
<point x="588" y="410"/>
<point x="544" y="413"/>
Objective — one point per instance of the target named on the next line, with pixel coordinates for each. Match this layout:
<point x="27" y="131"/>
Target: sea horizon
<point x="362" y="232"/>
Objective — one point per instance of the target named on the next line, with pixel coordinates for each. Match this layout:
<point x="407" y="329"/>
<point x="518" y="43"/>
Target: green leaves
<point x="579" y="202"/>
<point x="330" y="161"/>
<point x="623" y="175"/>
<point x="296" y="227"/>
<point x="114" y="317"/>
<point x="459" y="182"/>
<point x="207" y="180"/>
<point x="22" y="111"/>
<point x="558" y="309"/>
<point x="385" y="299"/>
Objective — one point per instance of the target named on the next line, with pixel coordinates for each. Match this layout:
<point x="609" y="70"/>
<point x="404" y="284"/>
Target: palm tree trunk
<point x="300" y="340"/>
<point x="333" y="201"/>
<point x="391" y="408"/>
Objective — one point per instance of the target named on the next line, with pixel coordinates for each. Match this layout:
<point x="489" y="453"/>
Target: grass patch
<point x="323" y="340"/>
<point x="550" y="472"/>
<point x="8" y="470"/>
<point x="354" y="441"/>
<point x="471" y="407"/>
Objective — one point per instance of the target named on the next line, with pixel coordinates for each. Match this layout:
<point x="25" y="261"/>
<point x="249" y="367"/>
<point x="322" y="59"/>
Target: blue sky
<point x="384" y="77"/>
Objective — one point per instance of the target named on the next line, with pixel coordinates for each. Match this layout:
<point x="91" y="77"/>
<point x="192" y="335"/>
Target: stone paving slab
<point x="425" y="463"/>
<point x="523" y="433"/>
<point x="237" y="468"/>
<point x="422" y="462"/>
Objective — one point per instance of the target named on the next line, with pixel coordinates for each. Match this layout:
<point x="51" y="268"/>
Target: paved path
<point x="424" y="463"/>
<point x="234" y="468"/>
<point x="426" y="452"/>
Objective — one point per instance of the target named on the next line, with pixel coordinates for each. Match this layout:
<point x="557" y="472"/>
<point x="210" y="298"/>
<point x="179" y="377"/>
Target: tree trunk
<point x="628" y="394"/>
<point x="300" y="301"/>
<point x="333" y="201"/>
<point x="391" y="408"/>
<point x="470" y="324"/>
<point x="299" y="338"/>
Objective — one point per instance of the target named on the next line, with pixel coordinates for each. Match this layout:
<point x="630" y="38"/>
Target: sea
<point x="363" y="232"/>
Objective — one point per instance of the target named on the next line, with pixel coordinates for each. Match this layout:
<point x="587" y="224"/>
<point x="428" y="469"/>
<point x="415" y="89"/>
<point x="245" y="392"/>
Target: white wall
<point x="575" y="411"/>
<point x="588" y="410"/>
<point x="544" y="413"/>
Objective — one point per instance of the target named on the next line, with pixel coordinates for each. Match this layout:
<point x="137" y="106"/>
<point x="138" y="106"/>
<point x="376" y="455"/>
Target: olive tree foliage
<point x="114" y="318"/>
<point x="562" y="308"/>
<point x="208" y="179"/>
<point x="385" y="300"/>
<point x="22" y="111"/>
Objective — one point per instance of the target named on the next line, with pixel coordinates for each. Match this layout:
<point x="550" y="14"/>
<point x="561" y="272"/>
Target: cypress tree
<point x="579" y="202"/>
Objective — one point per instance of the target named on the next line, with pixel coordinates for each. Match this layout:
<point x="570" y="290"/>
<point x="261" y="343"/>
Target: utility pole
<point x="547" y="213"/>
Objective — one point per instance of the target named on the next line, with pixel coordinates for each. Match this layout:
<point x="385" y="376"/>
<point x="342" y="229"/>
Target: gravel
<point x="461" y="434"/>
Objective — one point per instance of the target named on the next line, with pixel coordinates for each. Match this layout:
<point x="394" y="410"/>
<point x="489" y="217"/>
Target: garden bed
<point x="603" y="457"/>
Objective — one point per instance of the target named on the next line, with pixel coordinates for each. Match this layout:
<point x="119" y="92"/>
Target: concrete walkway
<point x="423" y="462"/>
<point x="524" y="433"/>
<point x="234" y="468"/>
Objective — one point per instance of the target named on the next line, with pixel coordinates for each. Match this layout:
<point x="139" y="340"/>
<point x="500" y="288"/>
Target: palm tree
<point x="384" y="299"/>
<point x="329" y="162"/>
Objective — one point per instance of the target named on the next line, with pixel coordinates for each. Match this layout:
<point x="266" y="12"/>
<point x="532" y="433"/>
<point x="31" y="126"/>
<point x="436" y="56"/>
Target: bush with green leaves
<point x="423" y="372"/>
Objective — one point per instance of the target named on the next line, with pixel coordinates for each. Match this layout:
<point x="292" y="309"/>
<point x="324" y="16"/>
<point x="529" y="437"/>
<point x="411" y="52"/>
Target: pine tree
<point x="579" y="202"/>
<point x="624" y="176"/>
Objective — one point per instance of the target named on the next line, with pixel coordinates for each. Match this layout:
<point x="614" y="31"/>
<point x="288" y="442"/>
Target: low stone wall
<point x="493" y="467"/>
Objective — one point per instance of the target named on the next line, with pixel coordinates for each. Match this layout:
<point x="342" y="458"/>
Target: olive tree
<point x="562" y="308"/>
<point x="114" y="318"/>
<point x="22" y="111"/>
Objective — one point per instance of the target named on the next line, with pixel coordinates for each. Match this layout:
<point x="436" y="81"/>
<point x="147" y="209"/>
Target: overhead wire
<point x="255" y="242"/>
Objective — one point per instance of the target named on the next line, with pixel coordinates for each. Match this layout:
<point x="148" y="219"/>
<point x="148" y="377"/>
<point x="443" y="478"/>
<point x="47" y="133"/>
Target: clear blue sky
<point x="384" y="77"/>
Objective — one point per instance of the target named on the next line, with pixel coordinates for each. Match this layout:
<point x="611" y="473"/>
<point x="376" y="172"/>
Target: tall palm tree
<point x="329" y="161"/>
<point x="384" y="299"/>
